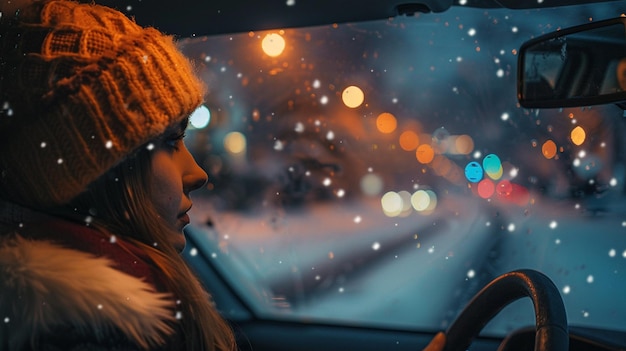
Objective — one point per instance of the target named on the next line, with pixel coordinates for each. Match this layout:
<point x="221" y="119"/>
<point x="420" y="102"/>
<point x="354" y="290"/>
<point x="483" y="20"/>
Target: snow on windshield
<point x="381" y="173"/>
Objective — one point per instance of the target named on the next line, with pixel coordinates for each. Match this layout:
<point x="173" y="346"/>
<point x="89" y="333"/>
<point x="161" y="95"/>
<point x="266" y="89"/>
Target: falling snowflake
<point x="278" y="145"/>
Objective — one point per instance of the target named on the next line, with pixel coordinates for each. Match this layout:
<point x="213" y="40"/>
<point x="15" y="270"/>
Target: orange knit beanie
<point x="81" y="87"/>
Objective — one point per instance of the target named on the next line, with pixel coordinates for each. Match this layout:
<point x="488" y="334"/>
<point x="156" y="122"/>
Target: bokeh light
<point x="441" y="165"/>
<point x="392" y="203"/>
<point x="352" y="96"/>
<point x="548" y="149"/>
<point x="441" y="136"/>
<point x="371" y="184"/>
<point x="510" y="192"/>
<point x="409" y="140"/>
<point x="424" y="201"/>
<point x="386" y="123"/>
<point x="492" y="166"/>
<point x="420" y="200"/>
<point x="504" y="188"/>
<point x="433" y="200"/>
<point x="486" y="188"/>
<point x="235" y="143"/>
<point x="494" y="169"/>
<point x="473" y="172"/>
<point x="464" y="144"/>
<point x="497" y="174"/>
<point x="578" y="135"/>
<point x="200" y="118"/>
<point x="401" y="203"/>
<point x="425" y="154"/>
<point x="273" y="44"/>
<point x="406" y="202"/>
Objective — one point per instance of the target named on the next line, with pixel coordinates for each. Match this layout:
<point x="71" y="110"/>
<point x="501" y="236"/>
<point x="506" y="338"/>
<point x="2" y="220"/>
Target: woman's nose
<point x="194" y="177"/>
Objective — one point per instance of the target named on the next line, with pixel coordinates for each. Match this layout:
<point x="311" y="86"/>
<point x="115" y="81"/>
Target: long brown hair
<point x="119" y="203"/>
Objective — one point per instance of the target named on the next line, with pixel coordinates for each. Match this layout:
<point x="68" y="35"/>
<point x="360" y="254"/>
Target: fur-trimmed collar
<point x="43" y="286"/>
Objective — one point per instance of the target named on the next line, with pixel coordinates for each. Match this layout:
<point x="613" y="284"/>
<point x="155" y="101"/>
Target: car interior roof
<point x="185" y="18"/>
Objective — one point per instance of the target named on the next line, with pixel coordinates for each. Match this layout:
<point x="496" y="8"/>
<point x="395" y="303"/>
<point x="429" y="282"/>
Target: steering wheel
<point x="550" y="318"/>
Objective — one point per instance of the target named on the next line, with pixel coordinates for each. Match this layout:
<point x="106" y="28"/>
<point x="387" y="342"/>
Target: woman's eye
<point x="174" y="141"/>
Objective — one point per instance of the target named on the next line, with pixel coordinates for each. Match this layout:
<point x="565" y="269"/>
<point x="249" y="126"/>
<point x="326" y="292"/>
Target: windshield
<point x="381" y="173"/>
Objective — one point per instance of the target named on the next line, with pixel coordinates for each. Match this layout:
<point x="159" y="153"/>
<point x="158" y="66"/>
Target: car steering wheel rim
<point x="550" y="317"/>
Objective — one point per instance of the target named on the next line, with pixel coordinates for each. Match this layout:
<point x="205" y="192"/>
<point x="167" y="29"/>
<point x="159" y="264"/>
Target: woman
<point x="94" y="185"/>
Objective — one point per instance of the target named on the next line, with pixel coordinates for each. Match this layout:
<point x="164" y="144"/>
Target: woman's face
<point x="175" y="174"/>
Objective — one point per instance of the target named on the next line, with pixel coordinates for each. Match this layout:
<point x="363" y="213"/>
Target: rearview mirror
<point x="578" y="66"/>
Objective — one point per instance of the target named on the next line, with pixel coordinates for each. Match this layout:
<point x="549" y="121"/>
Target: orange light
<point x="578" y="135"/>
<point x="273" y="44"/>
<point x="386" y="122"/>
<point x="352" y="96"/>
<point x="425" y="154"/>
<point x="464" y="144"/>
<point x="548" y="149"/>
<point x="409" y="140"/>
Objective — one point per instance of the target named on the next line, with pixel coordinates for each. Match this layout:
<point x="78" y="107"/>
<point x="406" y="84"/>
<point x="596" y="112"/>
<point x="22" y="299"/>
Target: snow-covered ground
<point x="353" y="264"/>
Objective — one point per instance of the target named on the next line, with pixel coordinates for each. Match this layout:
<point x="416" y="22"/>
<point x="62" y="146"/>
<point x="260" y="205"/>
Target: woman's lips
<point x="184" y="218"/>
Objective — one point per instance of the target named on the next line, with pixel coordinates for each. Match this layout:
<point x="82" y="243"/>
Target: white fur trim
<point x="43" y="285"/>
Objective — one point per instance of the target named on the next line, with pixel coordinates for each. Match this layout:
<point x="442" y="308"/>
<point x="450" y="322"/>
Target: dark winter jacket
<point x="66" y="286"/>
